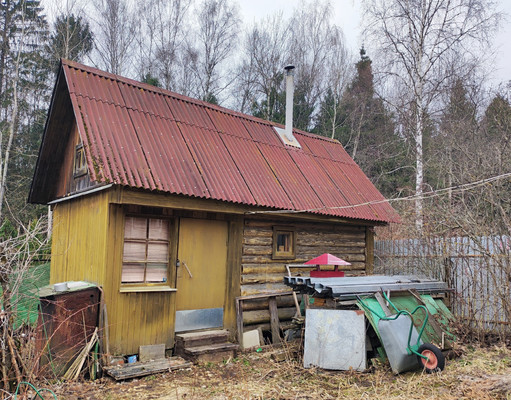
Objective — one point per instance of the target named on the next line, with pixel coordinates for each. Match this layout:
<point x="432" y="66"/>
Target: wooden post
<point x="274" y="320"/>
<point x="239" y="321"/>
<point x="369" y="251"/>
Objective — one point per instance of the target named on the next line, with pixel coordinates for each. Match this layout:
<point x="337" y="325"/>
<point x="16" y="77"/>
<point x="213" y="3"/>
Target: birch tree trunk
<point x="418" y="41"/>
<point x="13" y="123"/>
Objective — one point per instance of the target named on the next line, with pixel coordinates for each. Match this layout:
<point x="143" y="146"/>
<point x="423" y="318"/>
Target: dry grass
<point x="479" y="373"/>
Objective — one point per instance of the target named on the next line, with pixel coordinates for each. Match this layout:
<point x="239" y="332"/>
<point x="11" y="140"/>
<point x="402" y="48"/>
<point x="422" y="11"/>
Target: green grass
<point x="27" y="300"/>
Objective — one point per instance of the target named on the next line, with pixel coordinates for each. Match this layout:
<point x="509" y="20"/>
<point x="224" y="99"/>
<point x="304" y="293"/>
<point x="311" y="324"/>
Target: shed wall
<point x="135" y="319"/>
<point x="260" y="273"/>
<point x="79" y="240"/>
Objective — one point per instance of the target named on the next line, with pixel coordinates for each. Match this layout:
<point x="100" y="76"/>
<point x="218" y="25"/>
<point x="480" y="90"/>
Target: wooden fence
<point x="478" y="269"/>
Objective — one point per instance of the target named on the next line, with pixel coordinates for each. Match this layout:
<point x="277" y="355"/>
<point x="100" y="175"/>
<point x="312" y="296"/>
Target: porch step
<point x="138" y="369"/>
<point x="217" y="352"/>
<point x="203" y="338"/>
<point x="205" y="346"/>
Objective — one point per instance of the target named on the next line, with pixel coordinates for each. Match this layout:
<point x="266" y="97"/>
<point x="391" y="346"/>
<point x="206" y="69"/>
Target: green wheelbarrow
<point x="403" y="344"/>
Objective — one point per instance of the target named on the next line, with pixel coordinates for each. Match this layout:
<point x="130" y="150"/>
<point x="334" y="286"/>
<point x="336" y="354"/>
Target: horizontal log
<point x="258" y="240"/>
<point x="262" y="278"/>
<point x="248" y="232"/>
<point x="331" y="236"/>
<point x="263" y="268"/>
<point x="284" y="325"/>
<point x="335" y="250"/>
<point x="355" y="273"/>
<point x="262" y="304"/>
<point x="355" y="266"/>
<point x="300" y="258"/>
<point x="306" y="225"/>
<point x="318" y="242"/>
<point x="261" y="259"/>
<point x="263" y="316"/>
<point x="346" y="257"/>
<point x="257" y="250"/>
<point x="250" y="289"/>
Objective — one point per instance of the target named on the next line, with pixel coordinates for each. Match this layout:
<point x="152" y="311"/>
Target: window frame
<point x="127" y="287"/>
<point x="284" y="255"/>
<point x="79" y="158"/>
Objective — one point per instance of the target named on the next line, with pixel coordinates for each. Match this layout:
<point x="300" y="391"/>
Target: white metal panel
<point x="335" y="339"/>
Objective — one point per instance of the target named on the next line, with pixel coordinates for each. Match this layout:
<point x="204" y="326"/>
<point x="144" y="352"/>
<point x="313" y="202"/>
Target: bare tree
<point x="160" y="39"/>
<point x="318" y="50"/>
<point x="170" y="38"/>
<point x="115" y="30"/>
<point x="218" y="25"/>
<point x="19" y="255"/>
<point x="415" y="39"/>
<point x="260" y="72"/>
<point x="22" y="83"/>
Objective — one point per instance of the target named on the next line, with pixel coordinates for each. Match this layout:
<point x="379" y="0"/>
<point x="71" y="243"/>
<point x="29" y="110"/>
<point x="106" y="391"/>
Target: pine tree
<point x="71" y="38"/>
<point x="360" y="121"/>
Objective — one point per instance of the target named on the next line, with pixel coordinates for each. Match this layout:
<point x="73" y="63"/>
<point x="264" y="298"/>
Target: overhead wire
<point x="425" y="195"/>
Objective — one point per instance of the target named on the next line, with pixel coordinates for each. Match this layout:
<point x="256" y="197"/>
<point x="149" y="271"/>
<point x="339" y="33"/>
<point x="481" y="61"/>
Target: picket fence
<point x="478" y="269"/>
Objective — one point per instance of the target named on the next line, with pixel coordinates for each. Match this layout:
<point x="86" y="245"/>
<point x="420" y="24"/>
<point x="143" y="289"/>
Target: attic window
<point x="80" y="166"/>
<point x="284" y="243"/>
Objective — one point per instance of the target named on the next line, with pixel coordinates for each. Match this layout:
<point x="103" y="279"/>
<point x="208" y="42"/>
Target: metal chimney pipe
<point x="290" y="90"/>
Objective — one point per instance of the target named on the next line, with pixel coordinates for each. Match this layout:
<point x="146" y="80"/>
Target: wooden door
<point x="201" y="274"/>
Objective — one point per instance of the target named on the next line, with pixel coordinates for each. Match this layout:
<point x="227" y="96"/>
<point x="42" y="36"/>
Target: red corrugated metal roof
<point x="145" y="137"/>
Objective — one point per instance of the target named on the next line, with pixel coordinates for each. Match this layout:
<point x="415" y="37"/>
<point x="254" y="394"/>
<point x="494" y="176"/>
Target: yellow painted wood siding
<point x="87" y="245"/>
<point x="79" y="239"/>
<point x="135" y="319"/>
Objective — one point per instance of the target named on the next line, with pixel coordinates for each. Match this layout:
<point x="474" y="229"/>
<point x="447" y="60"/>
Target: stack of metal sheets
<point x="351" y="287"/>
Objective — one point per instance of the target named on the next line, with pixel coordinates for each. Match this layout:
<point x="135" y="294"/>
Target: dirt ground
<point x="479" y="373"/>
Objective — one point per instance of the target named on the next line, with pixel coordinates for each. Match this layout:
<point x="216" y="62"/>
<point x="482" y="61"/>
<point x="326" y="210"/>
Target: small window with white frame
<point x="146" y="250"/>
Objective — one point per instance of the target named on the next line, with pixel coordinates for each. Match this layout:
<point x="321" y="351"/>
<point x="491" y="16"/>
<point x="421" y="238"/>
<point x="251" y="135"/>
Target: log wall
<point x="260" y="273"/>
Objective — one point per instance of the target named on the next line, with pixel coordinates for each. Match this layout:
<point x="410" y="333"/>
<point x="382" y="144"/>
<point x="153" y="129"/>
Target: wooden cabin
<point x="175" y="206"/>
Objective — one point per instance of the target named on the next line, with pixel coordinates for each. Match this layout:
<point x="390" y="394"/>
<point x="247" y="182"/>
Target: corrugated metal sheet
<point x="145" y="137"/>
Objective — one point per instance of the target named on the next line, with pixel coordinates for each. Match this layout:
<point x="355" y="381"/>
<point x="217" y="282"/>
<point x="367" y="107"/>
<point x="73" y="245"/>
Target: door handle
<point x="187" y="269"/>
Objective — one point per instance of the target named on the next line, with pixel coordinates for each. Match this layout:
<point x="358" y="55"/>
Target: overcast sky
<point x="348" y="16"/>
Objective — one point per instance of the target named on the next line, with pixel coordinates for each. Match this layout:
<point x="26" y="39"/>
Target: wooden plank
<point x="263" y="295"/>
<point x="383" y="304"/>
<point x="439" y="331"/>
<point x="139" y="369"/>
<point x="369" y="245"/>
<point x="211" y="348"/>
<point x="263" y="316"/>
<point x="146" y="198"/>
<point x="274" y="320"/>
<point x="239" y="320"/>
<point x="262" y="278"/>
<point x="264" y="268"/>
<point x="233" y="277"/>
<point x="262" y="304"/>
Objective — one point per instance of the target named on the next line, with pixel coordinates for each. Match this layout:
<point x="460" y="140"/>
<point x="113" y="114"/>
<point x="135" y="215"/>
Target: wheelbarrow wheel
<point x="435" y="359"/>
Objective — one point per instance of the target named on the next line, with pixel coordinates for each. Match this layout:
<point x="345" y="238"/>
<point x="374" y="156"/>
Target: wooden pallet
<point x="135" y="370"/>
